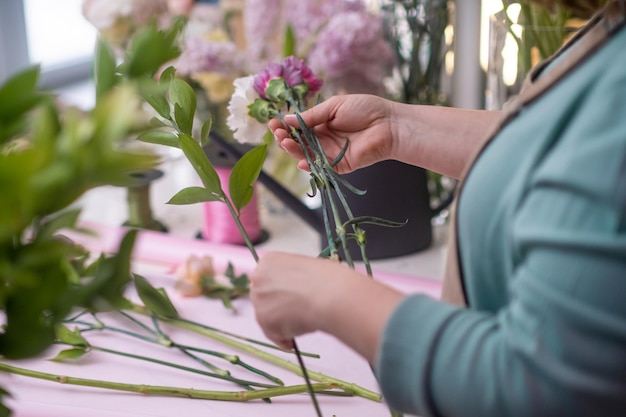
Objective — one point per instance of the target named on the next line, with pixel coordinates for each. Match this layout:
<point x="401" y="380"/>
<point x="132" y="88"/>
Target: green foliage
<point x="289" y="46"/>
<point x="193" y="195"/>
<point x="156" y="300"/>
<point x="104" y="69"/>
<point x="150" y="48"/>
<point x="17" y="97"/>
<point x="4" y="410"/>
<point x="48" y="159"/>
<point x="183" y="99"/>
<point x="239" y="285"/>
<point x="73" y="338"/>
<point x="201" y="164"/>
<point x="244" y="175"/>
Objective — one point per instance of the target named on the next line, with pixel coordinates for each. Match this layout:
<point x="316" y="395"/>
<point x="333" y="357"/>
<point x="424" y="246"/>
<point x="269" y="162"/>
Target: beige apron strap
<point x="587" y="41"/>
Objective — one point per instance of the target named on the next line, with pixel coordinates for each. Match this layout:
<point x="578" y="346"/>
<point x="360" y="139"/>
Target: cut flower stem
<point x="239" y="396"/>
<point x="268" y="357"/>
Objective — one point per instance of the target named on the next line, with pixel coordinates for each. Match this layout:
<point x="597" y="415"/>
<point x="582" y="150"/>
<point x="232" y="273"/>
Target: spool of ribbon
<point x="218" y="225"/>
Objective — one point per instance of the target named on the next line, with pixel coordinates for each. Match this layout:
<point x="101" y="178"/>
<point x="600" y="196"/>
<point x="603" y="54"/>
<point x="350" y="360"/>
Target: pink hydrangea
<point x="200" y="55"/>
<point x="260" y="25"/>
<point x="307" y="17"/>
<point x="350" y="48"/>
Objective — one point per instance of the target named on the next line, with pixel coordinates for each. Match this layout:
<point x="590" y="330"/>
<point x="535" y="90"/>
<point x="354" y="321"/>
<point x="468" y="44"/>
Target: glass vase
<point x="420" y="32"/>
<point x="516" y="47"/>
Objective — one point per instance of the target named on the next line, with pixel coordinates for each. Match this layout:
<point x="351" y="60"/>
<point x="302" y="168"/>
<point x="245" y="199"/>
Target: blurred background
<point x="56" y="35"/>
<point x="464" y="53"/>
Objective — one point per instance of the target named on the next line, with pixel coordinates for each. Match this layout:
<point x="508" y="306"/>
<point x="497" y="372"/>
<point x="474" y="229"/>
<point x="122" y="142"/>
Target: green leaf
<point x="289" y="46"/>
<point x="69" y="354"/>
<point x="60" y="221"/>
<point x="109" y="277"/>
<point x="154" y="94"/>
<point x="4" y="410"/>
<point x="193" y="195"/>
<point x="69" y="337"/>
<point x="184" y="100"/>
<point x="155" y="300"/>
<point x="167" y="75"/>
<point x="158" y="123"/>
<point x="159" y="137"/>
<point x="149" y="49"/>
<point x="206" y="130"/>
<point x="201" y="164"/>
<point x="17" y="92"/>
<point x="341" y="153"/>
<point x="104" y="68"/>
<point x="17" y="96"/>
<point x="240" y="282"/>
<point x="244" y="175"/>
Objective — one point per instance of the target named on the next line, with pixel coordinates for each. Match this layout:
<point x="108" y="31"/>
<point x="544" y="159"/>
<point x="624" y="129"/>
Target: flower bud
<point x="262" y="110"/>
<point x="277" y="90"/>
<point x="300" y="90"/>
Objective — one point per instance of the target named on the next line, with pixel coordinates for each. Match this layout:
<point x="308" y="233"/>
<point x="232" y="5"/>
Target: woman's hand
<point x="295" y="294"/>
<point x="287" y="292"/>
<point x="441" y="139"/>
<point x="363" y="119"/>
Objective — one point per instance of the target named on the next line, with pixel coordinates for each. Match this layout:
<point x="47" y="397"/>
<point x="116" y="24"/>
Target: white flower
<point x="104" y="13"/>
<point x="246" y="129"/>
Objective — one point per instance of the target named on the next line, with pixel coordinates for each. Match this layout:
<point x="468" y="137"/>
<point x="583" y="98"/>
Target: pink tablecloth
<point x="156" y="254"/>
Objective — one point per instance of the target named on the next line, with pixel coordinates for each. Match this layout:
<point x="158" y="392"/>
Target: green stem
<point x="268" y="357"/>
<point x="182" y="368"/>
<point x="246" y="339"/>
<point x="235" y="360"/>
<point x="166" y="391"/>
<point x="242" y="230"/>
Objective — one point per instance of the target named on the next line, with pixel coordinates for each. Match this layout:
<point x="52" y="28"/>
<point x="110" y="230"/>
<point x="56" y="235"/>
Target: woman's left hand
<point x="295" y="294"/>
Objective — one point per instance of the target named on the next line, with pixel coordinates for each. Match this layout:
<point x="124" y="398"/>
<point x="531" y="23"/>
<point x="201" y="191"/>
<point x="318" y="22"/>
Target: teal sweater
<point x="542" y="244"/>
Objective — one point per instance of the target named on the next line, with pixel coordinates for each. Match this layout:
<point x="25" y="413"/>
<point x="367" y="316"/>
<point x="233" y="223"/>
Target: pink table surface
<point x="156" y="254"/>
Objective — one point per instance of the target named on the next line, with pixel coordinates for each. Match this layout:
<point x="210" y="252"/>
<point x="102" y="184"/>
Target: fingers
<point x="287" y="143"/>
<point x="277" y="301"/>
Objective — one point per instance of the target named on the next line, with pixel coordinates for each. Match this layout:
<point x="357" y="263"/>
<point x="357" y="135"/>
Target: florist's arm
<point x="557" y="348"/>
<point x="320" y="294"/>
<point x="442" y="139"/>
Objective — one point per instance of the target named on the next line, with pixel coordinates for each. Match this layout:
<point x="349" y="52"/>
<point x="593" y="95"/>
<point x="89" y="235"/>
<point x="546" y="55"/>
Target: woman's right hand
<point x="362" y="119"/>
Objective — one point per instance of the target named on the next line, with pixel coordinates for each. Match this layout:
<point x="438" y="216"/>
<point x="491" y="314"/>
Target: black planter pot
<point x="394" y="191"/>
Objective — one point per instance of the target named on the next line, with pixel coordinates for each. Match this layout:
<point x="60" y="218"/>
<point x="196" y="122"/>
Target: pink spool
<point x="218" y="225"/>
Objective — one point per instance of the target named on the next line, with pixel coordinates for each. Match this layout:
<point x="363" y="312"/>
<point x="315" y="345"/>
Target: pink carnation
<point x="293" y="70"/>
<point x="263" y="78"/>
<point x="297" y="72"/>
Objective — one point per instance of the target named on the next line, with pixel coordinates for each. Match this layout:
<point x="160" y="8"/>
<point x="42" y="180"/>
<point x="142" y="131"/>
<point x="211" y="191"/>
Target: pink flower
<point x="351" y="48"/>
<point x="297" y="72"/>
<point x="263" y="78"/>
<point x="260" y="27"/>
<point x="201" y="55"/>
<point x="293" y="70"/>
